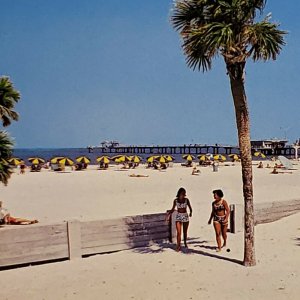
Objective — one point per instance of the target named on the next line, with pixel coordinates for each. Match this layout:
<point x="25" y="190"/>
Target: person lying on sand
<point x="196" y="171"/>
<point x="6" y="218"/>
<point x="281" y="172"/>
<point x="138" y="175"/>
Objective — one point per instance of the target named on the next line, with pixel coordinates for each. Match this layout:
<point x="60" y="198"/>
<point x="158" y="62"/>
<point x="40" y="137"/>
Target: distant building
<point x="268" y="144"/>
<point x="110" y="144"/>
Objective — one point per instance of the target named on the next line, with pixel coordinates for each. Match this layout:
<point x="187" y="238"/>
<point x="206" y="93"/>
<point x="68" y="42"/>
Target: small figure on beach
<point x="220" y="214"/>
<point x="182" y="217"/>
<point x="22" y="168"/>
<point x="260" y="165"/>
<point x="274" y="171"/>
<point x="138" y="175"/>
<point x="6" y="218"/>
<point x="196" y="171"/>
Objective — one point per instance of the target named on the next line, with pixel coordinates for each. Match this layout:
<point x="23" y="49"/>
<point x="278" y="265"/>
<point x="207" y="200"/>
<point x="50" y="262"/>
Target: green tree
<point x="230" y="29"/>
<point x="6" y="146"/>
<point x="8" y="99"/>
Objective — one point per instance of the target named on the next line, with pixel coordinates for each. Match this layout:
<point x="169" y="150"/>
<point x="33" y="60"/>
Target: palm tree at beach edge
<point x="228" y="28"/>
<point x="9" y="96"/>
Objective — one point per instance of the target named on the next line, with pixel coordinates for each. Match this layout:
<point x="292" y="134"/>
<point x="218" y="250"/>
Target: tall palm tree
<point x="8" y="98"/>
<point x="6" y="146"/>
<point x="229" y="28"/>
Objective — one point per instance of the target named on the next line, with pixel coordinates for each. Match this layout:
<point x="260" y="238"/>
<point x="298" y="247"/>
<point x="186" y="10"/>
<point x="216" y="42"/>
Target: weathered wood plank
<point x="124" y="233"/>
<point x="119" y="247"/>
<point x="31" y="244"/>
<point x="135" y="220"/>
<point x="124" y="240"/>
<point x="32" y="233"/>
<point x="38" y="257"/>
<point x="90" y="228"/>
<point x="74" y="239"/>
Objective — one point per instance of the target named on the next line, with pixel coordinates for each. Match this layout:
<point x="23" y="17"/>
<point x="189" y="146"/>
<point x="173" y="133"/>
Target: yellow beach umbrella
<point x="259" y="154"/>
<point x="136" y="159"/>
<point x="66" y="161"/>
<point x="120" y="158"/>
<point x="219" y="157"/>
<point x="169" y="158"/>
<point x="36" y="160"/>
<point x="15" y="161"/>
<point x="83" y="160"/>
<point x="234" y="156"/>
<point x="103" y="159"/>
<point x="203" y="157"/>
<point x="161" y="159"/>
<point x="152" y="158"/>
<point x="188" y="157"/>
<point x="55" y="160"/>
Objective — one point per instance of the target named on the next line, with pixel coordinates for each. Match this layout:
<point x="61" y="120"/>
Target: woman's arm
<point x="173" y="207"/>
<point x="190" y="207"/>
<point x="227" y="210"/>
<point x="211" y="214"/>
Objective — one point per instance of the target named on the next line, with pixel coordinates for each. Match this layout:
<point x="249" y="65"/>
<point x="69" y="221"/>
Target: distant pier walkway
<point x="187" y="149"/>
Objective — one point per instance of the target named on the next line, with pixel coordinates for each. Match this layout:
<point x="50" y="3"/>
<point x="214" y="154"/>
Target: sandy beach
<point x="157" y="272"/>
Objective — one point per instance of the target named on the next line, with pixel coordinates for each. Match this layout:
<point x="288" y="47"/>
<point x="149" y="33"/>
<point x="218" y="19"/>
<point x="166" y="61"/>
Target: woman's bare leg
<point x="185" y="230"/>
<point x="178" y="228"/>
<point x="217" y="227"/>
<point x="224" y="234"/>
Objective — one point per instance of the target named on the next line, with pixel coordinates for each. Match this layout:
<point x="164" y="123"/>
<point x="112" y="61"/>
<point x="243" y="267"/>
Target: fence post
<point x="173" y="227"/>
<point x="74" y="239"/>
<point x="232" y="218"/>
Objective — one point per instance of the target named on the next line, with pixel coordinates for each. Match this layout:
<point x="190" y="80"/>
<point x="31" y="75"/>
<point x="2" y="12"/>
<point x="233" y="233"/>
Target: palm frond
<point x="6" y="145"/>
<point x="186" y="13"/>
<point x="5" y="171"/>
<point x="8" y="99"/>
<point x="265" y="39"/>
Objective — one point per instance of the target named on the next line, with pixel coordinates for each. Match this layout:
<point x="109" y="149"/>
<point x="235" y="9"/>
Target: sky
<point x="99" y="70"/>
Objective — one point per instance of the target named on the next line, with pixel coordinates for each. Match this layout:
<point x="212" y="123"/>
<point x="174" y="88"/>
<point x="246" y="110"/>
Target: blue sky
<point x="95" y="70"/>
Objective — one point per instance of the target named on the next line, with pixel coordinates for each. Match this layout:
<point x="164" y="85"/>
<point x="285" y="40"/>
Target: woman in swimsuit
<point x="182" y="217"/>
<point x="220" y="214"/>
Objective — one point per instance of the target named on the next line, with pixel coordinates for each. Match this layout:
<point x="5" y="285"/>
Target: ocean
<point x="72" y="153"/>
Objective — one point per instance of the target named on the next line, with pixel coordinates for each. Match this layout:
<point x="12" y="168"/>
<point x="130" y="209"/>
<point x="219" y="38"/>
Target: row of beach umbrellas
<point x="15" y="161"/>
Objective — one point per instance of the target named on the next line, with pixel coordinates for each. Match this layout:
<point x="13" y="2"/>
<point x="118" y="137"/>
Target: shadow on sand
<point x="160" y="247"/>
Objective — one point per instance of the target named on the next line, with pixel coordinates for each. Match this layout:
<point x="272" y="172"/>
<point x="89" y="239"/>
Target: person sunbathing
<point x="7" y="219"/>
<point x="274" y="171"/>
<point x="138" y="175"/>
<point x="195" y="171"/>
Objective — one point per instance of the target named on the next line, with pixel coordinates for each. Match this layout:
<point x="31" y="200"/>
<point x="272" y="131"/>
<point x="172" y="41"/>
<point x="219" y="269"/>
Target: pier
<point x="152" y="150"/>
<point x="288" y="151"/>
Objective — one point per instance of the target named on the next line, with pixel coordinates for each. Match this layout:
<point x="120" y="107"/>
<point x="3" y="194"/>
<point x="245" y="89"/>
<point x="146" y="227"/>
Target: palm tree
<point x="6" y="145"/>
<point x="8" y="98"/>
<point x="229" y="28"/>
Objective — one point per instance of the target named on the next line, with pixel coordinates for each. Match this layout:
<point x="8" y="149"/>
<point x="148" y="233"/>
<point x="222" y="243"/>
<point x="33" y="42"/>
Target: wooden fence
<point x="263" y="213"/>
<point x="21" y="245"/>
<point x="73" y="239"/>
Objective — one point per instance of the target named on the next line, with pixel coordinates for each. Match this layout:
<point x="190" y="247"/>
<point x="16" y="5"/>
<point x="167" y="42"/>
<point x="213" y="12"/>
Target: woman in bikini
<point x="220" y="214"/>
<point x="182" y="217"/>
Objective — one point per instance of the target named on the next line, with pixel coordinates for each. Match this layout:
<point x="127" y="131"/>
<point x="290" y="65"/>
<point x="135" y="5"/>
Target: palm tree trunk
<point x="236" y="75"/>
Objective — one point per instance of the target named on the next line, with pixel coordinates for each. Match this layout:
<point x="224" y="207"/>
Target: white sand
<point x="160" y="273"/>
